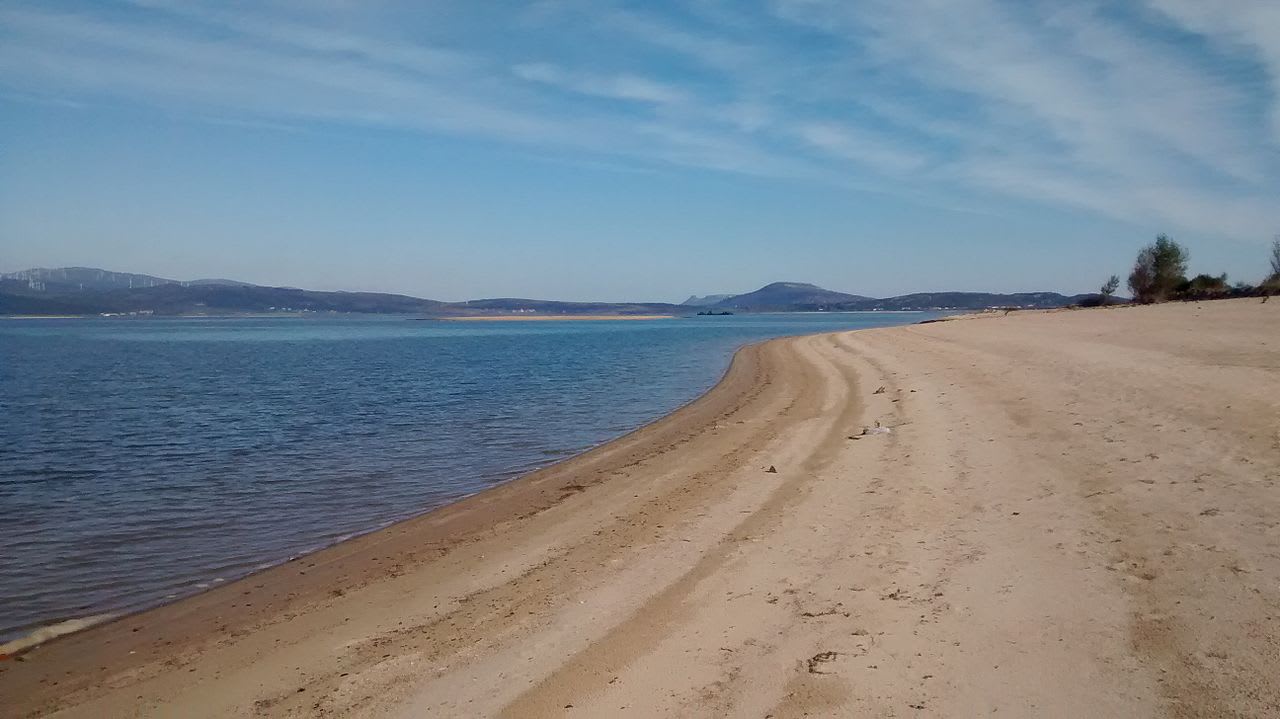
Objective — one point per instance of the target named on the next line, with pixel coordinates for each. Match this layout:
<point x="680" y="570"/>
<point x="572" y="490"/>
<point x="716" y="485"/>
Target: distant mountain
<point x="515" y="304"/>
<point x="62" y="280"/>
<point x="218" y="281"/>
<point x="15" y="302"/>
<point x="788" y="296"/>
<point x="177" y="299"/>
<point x="799" y="296"/>
<point x="704" y="301"/>
<point x="90" y="291"/>
<point x="970" y="301"/>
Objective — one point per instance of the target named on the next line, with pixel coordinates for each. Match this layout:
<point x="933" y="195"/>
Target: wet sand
<point x="1071" y="514"/>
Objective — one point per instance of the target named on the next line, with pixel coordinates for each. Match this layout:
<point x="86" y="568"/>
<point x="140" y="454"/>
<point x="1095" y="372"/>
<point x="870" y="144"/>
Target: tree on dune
<point x="1109" y="289"/>
<point x="1141" y="278"/>
<point x="1160" y="268"/>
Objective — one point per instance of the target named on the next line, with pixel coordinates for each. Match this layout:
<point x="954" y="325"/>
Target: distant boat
<point x="713" y="313"/>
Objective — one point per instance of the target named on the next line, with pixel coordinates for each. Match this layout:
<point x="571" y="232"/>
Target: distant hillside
<point x="175" y="299"/>
<point x="515" y="304"/>
<point x="704" y="301"/>
<point x="13" y="302"/>
<point x="797" y="296"/>
<point x="788" y="296"/>
<point x="90" y="291"/>
<point x="970" y="301"/>
<point x="62" y="280"/>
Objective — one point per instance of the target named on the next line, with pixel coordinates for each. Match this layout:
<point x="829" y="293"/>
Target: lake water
<point x="141" y="460"/>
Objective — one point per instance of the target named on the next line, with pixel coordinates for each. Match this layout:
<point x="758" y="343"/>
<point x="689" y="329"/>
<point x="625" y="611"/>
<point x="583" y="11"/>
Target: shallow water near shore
<point x="143" y="460"/>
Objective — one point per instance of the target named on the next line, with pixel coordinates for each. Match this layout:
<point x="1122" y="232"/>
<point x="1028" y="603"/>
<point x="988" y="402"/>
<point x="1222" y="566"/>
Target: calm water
<point x="141" y="460"/>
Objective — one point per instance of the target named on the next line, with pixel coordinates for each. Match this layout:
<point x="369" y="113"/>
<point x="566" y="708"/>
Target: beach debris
<point x="831" y="612"/>
<point x="876" y="429"/>
<point x="819" y="659"/>
<point x="879" y="391"/>
<point x="772" y="469"/>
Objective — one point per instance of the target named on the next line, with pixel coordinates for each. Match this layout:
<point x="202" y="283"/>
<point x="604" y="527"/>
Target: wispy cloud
<point x="1167" y="112"/>
<point x="1102" y="111"/>
<point x="859" y="147"/>
<point x="1250" y="28"/>
<point x="619" y="87"/>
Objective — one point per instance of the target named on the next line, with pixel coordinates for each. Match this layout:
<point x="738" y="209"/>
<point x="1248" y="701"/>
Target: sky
<point x="590" y="150"/>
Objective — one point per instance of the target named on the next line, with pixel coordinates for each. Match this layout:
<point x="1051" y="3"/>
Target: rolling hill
<point x="63" y="280"/>
<point x="179" y="299"/>
<point x="704" y="301"/>
<point x="91" y="291"/>
<point x="788" y="297"/>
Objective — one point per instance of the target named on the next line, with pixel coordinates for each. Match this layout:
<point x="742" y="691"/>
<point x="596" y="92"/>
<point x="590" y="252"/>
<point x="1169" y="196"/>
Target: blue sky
<point x="611" y="151"/>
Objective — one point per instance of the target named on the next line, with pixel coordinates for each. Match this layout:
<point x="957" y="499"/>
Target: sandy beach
<point x="1071" y="513"/>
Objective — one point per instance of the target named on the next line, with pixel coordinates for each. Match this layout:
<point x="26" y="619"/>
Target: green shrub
<point x="1160" y="269"/>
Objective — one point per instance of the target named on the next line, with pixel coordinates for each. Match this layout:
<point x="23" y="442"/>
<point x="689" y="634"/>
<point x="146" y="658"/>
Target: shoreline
<point x="757" y="552"/>
<point x="43" y="634"/>
<point x="447" y="524"/>
<point x="37" y="635"/>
